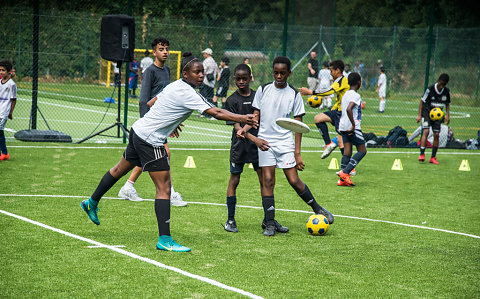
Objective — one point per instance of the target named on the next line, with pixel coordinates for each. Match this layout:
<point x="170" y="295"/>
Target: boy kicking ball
<point x="276" y="146"/>
<point x="350" y="130"/>
<point x="146" y="147"/>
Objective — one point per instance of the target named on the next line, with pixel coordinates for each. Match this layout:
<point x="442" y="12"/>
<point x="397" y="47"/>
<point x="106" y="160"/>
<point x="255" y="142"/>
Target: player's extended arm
<point x="420" y="107"/>
<point x="350" y="116"/>
<point x="223" y="114"/>
<point x="447" y="115"/>
<point x="14" y="101"/>
<point x="298" y="147"/>
<point x="312" y="71"/>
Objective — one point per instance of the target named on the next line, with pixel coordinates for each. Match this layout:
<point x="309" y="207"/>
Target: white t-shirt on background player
<point x="345" y="124"/>
<point x="8" y="91"/>
<point x="174" y="105"/>
<point x="382" y="85"/>
<point x="274" y="103"/>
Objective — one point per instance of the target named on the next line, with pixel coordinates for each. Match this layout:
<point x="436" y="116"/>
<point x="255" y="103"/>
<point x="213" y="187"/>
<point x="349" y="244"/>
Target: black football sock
<point x="341" y="150"/>
<point x="3" y="143"/>
<point x="434" y="151"/>
<point x="354" y="161"/>
<point x="162" y="211"/>
<point x="268" y="203"/>
<point x="231" y="203"/>
<point x="322" y="127"/>
<point x="105" y="184"/>
<point x="422" y="150"/>
<point x="308" y="198"/>
<point x="344" y="163"/>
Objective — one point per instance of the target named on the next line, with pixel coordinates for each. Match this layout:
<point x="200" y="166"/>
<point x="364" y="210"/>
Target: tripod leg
<point x="98" y="133"/>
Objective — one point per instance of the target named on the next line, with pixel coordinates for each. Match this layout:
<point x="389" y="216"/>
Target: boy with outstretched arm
<point x="277" y="149"/>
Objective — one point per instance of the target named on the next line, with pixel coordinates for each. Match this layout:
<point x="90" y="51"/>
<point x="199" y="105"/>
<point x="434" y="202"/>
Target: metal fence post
<point x="392" y="53"/>
<point x="429" y="45"/>
<point x="435" y="52"/>
<point x="285" y="29"/>
<point x="85" y="47"/>
<point x="355" y="45"/>
<point x="19" y="59"/>
<point x="320" y="40"/>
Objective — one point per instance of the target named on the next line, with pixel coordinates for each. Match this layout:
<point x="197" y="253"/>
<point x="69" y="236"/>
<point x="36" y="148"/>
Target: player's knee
<point x="319" y="118"/>
<point x="269" y="183"/>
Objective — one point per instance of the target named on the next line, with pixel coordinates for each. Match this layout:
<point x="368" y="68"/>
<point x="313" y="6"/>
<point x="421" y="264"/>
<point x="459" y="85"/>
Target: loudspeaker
<point x="117" y="38"/>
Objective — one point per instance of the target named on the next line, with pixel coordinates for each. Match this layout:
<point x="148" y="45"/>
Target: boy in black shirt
<point x="436" y="96"/>
<point x="223" y="79"/>
<point x="242" y="150"/>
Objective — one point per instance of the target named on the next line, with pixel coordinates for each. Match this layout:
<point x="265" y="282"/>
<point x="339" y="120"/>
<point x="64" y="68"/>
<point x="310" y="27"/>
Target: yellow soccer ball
<point x="317" y="225"/>
<point x="436" y="114"/>
<point x="314" y="101"/>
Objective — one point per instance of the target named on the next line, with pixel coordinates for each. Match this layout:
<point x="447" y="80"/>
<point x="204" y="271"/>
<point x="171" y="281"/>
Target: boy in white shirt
<point x="382" y="89"/>
<point x="8" y="98"/>
<point x="276" y="146"/>
<point x="351" y="130"/>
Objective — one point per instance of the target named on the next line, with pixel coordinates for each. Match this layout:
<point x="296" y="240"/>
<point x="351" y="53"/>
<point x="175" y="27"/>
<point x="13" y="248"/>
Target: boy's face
<point x="195" y="74"/>
<point x="161" y="52"/>
<point x="281" y="74"/>
<point x="441" y="84"/>
<point x="3" y="72"/>
<point x="242" y="79"/>
<point x="336" y="73"/>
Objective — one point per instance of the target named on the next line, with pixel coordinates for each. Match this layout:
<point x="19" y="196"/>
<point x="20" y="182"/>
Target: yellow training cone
<point x="464" y="166"/>
<point x="189" y="163"/>
<point x="250" y="165"/>
<point x="333" y="164"/>
<point x="397" y="165"/>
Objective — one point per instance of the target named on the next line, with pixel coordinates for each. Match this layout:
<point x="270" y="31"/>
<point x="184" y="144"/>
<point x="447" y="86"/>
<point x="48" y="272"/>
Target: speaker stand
<point x="118" y="124"/>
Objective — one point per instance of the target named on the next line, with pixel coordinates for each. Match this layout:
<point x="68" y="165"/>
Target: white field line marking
<point x="415" y="151"/>
<point x="135" y="256"/>
<point x="96" y="246"/>
<point x="260" y="208"/>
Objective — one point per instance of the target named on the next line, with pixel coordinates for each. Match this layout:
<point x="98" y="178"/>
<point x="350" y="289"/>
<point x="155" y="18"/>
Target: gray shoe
<point x="278" y="227"/>
<point x="327" y="214"/>
<point x="269" y="231"/>
<point x="231" y="226"/>
<point x="328" y="149"/>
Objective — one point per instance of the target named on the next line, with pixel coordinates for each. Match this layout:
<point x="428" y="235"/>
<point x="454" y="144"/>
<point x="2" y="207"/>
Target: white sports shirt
<point x="324" y="76"/>
<point x="382" y="82"/>
<point x="8" y="91"/>
<point x="348" y="97"/>
<point x="174" y="104"/>
<point x="145" y="63"/>
<point x="274" y="103"/>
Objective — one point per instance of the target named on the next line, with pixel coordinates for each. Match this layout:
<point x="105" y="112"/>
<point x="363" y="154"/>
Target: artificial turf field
<point x="409" y="233"/>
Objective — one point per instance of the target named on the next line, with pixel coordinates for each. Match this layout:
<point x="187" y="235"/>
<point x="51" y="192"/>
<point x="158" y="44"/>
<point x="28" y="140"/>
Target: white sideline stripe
<point x="260" y="208"/>
<point x="135" y="256"/>
<point x="464" y="152"/>
<point x="96" y="246"/>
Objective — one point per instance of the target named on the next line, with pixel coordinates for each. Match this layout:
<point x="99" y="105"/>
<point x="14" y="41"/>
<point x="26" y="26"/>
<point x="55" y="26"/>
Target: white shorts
<point x="382" y="92"/>
<point x="312" y="83"/>
<point x="3" y="121"/>
<point x="272" y="157"/>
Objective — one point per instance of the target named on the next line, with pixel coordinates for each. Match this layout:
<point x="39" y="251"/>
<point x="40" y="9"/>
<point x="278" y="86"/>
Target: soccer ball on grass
<point x="314" y="101"/>
<point x="436" y="114"/>
<point x="317" y="225"/>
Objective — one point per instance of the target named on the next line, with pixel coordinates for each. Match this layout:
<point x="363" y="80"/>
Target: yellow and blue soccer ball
<point x="317" y="225"/>
<point x="436" y="114"/>
<point x="314" y="101"/>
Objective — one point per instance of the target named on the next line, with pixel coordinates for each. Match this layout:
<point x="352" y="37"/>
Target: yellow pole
<point x="109" y="66"/>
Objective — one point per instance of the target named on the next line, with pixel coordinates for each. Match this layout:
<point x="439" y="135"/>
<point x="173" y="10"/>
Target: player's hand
<point x="175" y="132"/>
<point x="250" y="120"/>
<point x="261" y="144"/>
<point x="300" y="165"/>
<point x="305" y="91"/>
<point x="447" y="119"/>
<point x="419" y="118"/>
<point x="350" y="131"/>
<point x="312" y="72"/>
<point x="242" y="134"/>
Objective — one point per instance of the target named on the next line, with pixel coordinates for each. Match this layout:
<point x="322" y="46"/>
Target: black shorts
<point x="222" y="91"/>
<point x="355" y="138"/>
<point x="435" y="124"/>
<point x="335" y="116"/>
<point x="237" y="168"/>
<point x="145" y="155"/>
